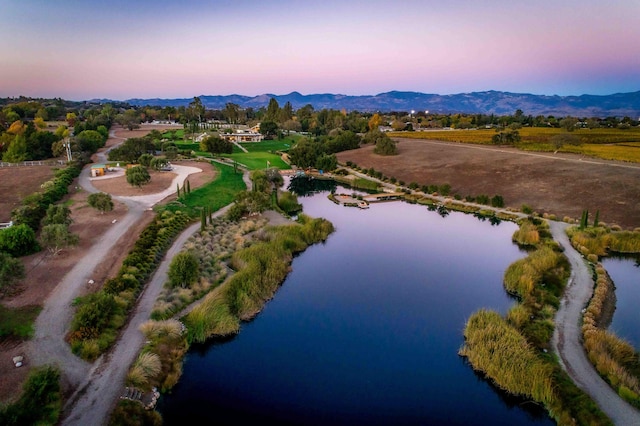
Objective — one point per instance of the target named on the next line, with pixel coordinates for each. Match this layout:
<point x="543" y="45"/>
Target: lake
<point x="365" y="329"/>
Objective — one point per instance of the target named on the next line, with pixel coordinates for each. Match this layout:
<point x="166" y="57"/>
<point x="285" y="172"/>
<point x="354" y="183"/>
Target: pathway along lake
<point x="365" y="329"/>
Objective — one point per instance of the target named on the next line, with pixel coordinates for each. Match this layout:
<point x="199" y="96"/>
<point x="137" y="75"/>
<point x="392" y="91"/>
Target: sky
<point x="123" y="49"/>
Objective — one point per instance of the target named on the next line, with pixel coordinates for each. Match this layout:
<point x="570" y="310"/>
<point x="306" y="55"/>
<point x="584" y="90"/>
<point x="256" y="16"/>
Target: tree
<point x="159" y="163"/>
<point x="138" y="176"/>
<point x="273" y="111"/>
<point x="145" y="159"/>
<point x="326" y="162"/>
<point x="71" y="118"/>
<point x="286" y="113"/>
<point x="216" y="145"/>
<point x="89" y="140"/>
<point x="305" y="153"/>
<point x="506" y="137"/>
<point x="129" y="119"/>
<point x="101" y="201"/>
<point x="269" y="129"/>
<point x="57" y="214"/>
<point x="384" y="144"/>
<point x="11" y="271"/>
<point x="231" y="113"/>
<point x="56" y="237"/>
<point x="569" y="123"/>
<point x="17" y="150"/>
<point x="184" y="270"/>
<point x="562" y="139"/>
<point x="375" y="121"/>
<point x="18" y="240"/>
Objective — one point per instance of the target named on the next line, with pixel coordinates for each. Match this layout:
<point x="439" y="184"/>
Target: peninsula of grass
<point x="261" y="268"/>
<point x="513" y="351"/>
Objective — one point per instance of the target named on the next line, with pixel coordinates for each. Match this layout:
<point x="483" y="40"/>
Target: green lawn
<point x="270" y="146"/>
<point x="258" y="160"/>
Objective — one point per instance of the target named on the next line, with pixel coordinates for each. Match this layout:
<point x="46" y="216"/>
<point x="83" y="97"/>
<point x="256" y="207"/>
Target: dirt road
<point x="567" y="337"/>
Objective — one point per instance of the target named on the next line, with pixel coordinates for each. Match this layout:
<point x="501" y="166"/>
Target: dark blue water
<point x="365" y="330"/>
<point x="625" y="273"/>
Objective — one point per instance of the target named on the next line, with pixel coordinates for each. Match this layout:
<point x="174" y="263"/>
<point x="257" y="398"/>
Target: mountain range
<point x="488" y="102"/>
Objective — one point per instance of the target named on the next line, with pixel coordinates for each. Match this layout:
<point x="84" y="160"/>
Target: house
<point x="98" y="170"/>
<point x="242" y="136"/>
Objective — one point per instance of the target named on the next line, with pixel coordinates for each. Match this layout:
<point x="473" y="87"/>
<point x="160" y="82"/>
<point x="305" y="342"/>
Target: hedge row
<point x="99" y="316"/>
<point x="34" y="207"/>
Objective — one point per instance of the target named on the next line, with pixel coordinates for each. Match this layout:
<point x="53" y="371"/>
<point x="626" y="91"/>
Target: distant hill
<point x="491" y="102"/>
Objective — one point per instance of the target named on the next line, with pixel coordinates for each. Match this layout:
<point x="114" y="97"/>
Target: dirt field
<point x="561" y="184"/>
<point x="18" y="182"/>
<point x="45" y="271"/>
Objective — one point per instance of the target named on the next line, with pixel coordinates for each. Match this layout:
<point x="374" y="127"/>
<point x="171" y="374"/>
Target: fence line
<point x="34" y="163"/>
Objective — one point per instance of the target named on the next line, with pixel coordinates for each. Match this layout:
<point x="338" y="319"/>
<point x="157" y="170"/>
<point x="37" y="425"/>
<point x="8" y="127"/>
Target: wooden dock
<point x="385" y="196"/>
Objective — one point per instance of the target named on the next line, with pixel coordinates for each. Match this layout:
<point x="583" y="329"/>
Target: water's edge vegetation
<point x="513" y="351"/>
<point x="260" y="268"/>
<point x="615" y="359"/>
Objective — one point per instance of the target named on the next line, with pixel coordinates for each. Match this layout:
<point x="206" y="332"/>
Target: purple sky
<point x="122" y="49"/>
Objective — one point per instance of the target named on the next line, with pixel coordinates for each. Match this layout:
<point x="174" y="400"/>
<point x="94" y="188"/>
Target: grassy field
<point x="609" y="144"/>
<point x="262" y="152"/>
<point x="258" y="160"/>
<point x="215" y="195"/>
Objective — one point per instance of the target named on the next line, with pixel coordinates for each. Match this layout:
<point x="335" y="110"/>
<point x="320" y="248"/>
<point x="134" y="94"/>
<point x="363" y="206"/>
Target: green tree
<point x="326" y="162"/>
<point x="216" y="145"/>
<point x="384" y="145"/>
<point x="18" y="240"/>
<point x="145" y="160"/>
<point x="138" y="176"/>
<point x="269" y="129"/>
<point x="159" y="163"/>
<point x="57" y="237"/>
<point x="101" y="201"/>
<point x="129" y="119"/>
<point x="184" y="270"/>
<point x="231" y="113"/>
<point x="273" y="111"/>
<point x="17" y="150"/>
<point x="89" y="140"/>
<point x="562" y="139"/>
<point x="11" y="271"/>
<point x="305" y="153"/>
<point x="57" y="214"/>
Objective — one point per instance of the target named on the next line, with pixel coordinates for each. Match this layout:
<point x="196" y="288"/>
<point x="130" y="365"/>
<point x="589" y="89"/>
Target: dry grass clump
<point x="527" y="234"/>
<point x="144" y="369"/>
<point x="500" y="351"/>
<point x="522" y="276"/>
<point x="261" y="268"/>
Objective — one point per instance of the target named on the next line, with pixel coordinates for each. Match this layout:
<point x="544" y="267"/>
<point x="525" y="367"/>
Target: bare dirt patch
<point x="18" y="182"/>
<point x="118" y="185"/>
<point x="561" y="184"/>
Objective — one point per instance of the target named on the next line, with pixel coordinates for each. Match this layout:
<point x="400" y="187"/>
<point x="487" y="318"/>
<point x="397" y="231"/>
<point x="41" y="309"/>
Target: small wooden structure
<point x="98" y="170"/>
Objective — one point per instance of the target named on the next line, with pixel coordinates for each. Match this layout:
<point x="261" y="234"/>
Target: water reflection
<point x="365" y="329"/>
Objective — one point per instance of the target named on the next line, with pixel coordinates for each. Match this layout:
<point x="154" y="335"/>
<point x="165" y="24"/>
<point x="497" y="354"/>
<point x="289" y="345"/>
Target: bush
<point x="18" y="240"/>
<point x="39" y="403"/>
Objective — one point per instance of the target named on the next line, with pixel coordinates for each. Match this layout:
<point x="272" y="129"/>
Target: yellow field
<point x="608" y="144"/>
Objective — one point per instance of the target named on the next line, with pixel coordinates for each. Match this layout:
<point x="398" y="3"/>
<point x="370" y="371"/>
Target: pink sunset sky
<point x="121" y="49"/>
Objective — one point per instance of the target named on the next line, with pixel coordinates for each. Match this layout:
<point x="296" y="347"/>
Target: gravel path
<point x="98" y="394"/>
<point x="567" y="337"/>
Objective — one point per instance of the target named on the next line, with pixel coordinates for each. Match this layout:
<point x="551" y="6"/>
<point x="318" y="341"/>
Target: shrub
<point x="40" y="401"/>
<point x="18" y="240"/>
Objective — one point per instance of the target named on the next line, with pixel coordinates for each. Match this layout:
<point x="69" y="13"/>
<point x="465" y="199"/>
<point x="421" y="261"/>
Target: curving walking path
<point x="567" y="336"/>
